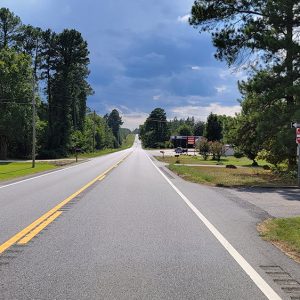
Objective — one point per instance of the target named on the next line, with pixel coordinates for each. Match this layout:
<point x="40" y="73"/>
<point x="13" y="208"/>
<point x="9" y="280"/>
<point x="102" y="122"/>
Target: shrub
<point x="203" y="147"/>
<point x="231" y="167"/>
<point x="238" y="154"/>
<point x="217" y="150"/>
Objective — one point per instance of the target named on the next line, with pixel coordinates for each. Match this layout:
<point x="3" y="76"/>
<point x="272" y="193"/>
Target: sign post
<point x="297" y="126"/>
<point x="298" y="151"/>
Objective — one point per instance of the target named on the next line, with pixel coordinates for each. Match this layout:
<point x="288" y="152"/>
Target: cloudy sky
<point x="143" y="55"/>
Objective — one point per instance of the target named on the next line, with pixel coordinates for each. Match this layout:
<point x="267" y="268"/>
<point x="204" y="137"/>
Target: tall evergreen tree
<point x="154" y="133"/>
<point x="9" y="28"/>
<point x="114" y="121"/>
<point x="263" y="33"/>
<point x="69" y="88"/>
<point x="213" y="129"/>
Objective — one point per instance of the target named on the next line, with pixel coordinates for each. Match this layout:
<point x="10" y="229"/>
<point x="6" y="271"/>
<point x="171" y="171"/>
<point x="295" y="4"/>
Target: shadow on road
<point x="291" y="194"/>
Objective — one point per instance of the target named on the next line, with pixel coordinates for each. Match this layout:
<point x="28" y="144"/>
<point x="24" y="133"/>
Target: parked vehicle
<point x="180" y="150"/>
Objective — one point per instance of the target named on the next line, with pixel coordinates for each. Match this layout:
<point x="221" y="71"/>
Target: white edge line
<point x="49" y="173"/>
<point x="39" y="176"/>
<point x="249" y="270"/>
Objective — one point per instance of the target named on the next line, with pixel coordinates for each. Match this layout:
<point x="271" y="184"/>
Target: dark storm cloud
<point x="143" y="53"/>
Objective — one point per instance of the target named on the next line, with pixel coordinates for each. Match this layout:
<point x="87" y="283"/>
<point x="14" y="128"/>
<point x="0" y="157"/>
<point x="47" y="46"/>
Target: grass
<point x="11" y="170"/>
<point x="187" y="159"/>
<point x="18" y="169"/>
<point x="215" y="176"/>
<point x="127" y="144"/>
<point x="284" y="233"/>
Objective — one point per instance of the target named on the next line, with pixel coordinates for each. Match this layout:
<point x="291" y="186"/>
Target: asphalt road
<point x="135" y="232"/>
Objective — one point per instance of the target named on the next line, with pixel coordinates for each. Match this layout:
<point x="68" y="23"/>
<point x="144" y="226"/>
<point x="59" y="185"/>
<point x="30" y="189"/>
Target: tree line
<point x="261" y="36"/>
<point x="50" y="69"/>
<point x="217" y="132"/>
<point x="157" y="130"/>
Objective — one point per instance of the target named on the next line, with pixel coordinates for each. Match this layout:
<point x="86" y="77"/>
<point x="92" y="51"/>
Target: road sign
<point x="295" y="125"/>
<point x="298" y="135"/>
<point x="191" y="140"/>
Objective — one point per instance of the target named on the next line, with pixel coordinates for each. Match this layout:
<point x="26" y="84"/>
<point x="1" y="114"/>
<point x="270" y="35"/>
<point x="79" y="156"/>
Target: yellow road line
<point x="38" y="229"/>
<point x="41" y="219"/>
<point x="101" y="178"/>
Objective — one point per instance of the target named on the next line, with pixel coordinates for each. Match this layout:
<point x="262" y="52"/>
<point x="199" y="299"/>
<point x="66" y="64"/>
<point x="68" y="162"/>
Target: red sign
<point x="191" y="140"/>
<point x="298" y="135"/>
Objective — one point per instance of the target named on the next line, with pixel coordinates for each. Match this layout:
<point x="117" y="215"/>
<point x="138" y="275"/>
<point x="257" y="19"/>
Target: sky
<point x="143" y="55"/>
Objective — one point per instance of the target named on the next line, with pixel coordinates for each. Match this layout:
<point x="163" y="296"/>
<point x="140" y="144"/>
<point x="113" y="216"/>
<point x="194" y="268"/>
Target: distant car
<point x="180" y="150"/>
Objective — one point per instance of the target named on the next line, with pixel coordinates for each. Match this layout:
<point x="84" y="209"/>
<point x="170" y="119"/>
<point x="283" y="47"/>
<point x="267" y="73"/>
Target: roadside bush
<point x="238" y="154"/>
<point x="266" y="167"/>
<point x="203" y="147"/>
<point x="217" y="150"/>
<point x="168" y="145"/>
<point x="231" y="167"/>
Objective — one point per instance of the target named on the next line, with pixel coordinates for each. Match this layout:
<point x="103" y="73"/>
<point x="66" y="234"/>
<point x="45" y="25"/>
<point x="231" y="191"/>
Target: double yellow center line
<point x="28" y="233"/>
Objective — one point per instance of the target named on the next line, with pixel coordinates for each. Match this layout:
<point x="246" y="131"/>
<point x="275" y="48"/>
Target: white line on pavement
<point x="49" y="173"/>
<point x="35" y="177"/>
<point x="256" y="278"/>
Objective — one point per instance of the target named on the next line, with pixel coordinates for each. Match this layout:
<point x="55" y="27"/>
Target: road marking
<point x="249" y="270"/>
<point x="14" y="239"/>
<point x="101" y="178"/>
<point x="43" y="175"/>
<point x="38" y="229"/>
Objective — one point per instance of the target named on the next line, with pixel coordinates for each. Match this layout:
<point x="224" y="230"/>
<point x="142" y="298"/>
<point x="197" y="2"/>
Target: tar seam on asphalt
<point x="289" y="285"/>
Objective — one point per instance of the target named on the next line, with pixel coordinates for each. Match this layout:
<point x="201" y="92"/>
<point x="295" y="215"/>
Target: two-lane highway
<point x="127" y="230"/>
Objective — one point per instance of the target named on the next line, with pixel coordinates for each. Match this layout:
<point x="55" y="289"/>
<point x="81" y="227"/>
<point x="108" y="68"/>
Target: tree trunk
<point x="290" y="53"/>
<point x="3" y="147"/>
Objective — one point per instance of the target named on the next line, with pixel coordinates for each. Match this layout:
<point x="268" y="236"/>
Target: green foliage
<point x="213" y="129"/>
<point x="238" y="154"/>
<point x="216" y="149"/>
<point x="203" y="147"/>
<point x="154" y="133"/>
<point x="191" y="127"/>
<point x="114" y="122"/>
<point x="199" y="128"/>
<point x="9" y="28"/>
<point x="262" y="34"/>
<point x="15" y="97"/>
<point x="185" y="130"/>
<point x="59" y="63"/>
<point x="69" y="89"/>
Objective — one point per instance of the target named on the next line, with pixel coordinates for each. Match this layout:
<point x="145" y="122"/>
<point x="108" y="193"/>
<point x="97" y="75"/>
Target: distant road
<point x="123" y="227"/>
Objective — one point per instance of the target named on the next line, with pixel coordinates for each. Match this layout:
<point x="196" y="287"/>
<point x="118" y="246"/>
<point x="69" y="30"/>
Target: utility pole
<point x="297" y="126"/>
<point x="94" y="131"/>
<point x="298" y="150"/>
<point x="33" y="122"/>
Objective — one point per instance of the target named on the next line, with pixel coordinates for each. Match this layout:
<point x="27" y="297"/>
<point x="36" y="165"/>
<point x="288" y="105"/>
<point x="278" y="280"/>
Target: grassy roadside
<point x="18" y="169"/>
<point x="127" y="144"/>
<point x="12" y="170"/>
<point x="187" y="159"/>
<point x="283" y="233"/>
<point x="230" y="177"/>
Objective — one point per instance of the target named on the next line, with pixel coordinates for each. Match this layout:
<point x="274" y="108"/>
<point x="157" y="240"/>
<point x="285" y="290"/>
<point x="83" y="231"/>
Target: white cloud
<point x="221" y="89"/>
<point x="184" y="19"/>
<point x="202" y="112"/>
<point x="134" y="119"/>
<point x="156" y="97"/>
<point x="239" y="74"/>
<point x="196" y="68"/>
